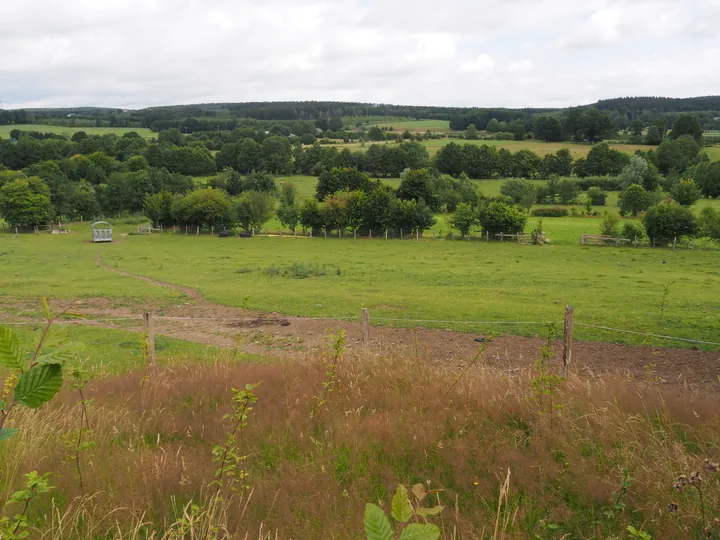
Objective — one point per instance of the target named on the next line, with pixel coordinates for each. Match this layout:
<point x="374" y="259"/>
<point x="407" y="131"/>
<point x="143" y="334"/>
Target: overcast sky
<point x="512" y="53"/>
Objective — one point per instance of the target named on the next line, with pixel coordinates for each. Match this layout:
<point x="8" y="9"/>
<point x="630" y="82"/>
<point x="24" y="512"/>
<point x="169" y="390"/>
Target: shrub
<point x="253" y="209"/>
<point x="568" y="191"/>
<point x="551" y="212"/>
<point x="500" y="217"/>
<point x="669" y="220"/>
<point x="709" y="224"/>
<point x="463" y="219"/>
<point x="686" y="192"/>
<point x="520" y="191"/>
<point x="633" y="230"/>
<point x="596" y="196"/>
<point x="608" y="183"/>
<point x="633" y="200"/>
<point x="609" y="225"/>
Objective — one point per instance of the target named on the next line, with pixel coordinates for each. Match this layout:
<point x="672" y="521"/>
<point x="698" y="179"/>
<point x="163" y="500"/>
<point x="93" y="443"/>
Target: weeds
<point x="228" y="456"/>
<point x="329" y="380"/>
<point x="297" y="270"/>
<point x="546" y="383"/>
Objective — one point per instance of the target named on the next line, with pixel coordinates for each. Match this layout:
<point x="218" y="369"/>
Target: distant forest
<point x="228" y="116"/>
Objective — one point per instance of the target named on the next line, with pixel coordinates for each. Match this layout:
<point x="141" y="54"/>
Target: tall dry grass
<point x="395" y="418"/>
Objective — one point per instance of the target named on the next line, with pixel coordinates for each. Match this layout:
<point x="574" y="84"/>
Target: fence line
<point x="647" y="334"/>
<point x="357" y="318"/>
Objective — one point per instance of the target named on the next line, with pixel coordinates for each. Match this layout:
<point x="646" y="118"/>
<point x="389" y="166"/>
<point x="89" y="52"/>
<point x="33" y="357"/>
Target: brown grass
<point x="390" y="420"/>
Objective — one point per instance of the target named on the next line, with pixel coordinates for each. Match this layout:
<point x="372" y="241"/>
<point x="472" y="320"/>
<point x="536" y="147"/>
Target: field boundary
<point x="360" y="318"/>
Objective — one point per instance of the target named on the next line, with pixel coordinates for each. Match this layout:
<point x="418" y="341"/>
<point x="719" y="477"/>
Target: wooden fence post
<point x="366" y="327"/>
<point x="567" y="349"/>
<point x="150" y="336"/>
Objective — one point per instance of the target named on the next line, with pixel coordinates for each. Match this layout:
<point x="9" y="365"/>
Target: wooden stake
<point x="567" y="349"/>
<point x="150" y="333"/>
<point x="366" y="327"/>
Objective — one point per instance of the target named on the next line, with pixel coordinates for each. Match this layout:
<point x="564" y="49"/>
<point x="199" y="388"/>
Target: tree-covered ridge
<point x="225" y="116"/>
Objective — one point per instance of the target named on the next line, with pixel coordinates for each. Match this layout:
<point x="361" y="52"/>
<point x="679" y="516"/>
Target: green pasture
<point x="69" y="131"/>
<point x="437" y="280"/>
<point x="416" y="126"/>
<point x="541" y="148"/>
<point x="116" y="350"/>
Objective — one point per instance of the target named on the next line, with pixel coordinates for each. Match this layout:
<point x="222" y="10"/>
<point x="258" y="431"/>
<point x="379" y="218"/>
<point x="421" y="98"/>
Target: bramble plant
<point x="228" y="456"/>
<point x="378" y="527"/>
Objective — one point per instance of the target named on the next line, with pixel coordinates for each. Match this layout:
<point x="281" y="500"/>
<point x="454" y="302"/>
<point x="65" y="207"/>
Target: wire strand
<point x="646" y="334"/>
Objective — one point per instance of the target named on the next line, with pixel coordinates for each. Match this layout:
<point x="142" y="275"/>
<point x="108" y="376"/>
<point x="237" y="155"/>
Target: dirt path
<point x="205" y="322"/>
<point x="192" y="293"/>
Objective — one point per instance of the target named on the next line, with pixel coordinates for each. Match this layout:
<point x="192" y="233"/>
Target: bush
<point x="633" y="231"/>
<point x="608" y="183"/>
<point x="568" y="191"/>
<point x="686" y="192"/>
<point x="633" y="200"/>
<point x="253" y="209"/>
<point x="666" y="221"/>
<point x="551" y="212"/>
<point x="520" y="191"/>
<point x="596" y="196"/>
<point x="500" y="217"/>
<point x="609" y="225"/>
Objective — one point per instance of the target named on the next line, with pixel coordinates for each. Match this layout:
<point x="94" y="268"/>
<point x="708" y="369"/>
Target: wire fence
<point x="248" y="319"/>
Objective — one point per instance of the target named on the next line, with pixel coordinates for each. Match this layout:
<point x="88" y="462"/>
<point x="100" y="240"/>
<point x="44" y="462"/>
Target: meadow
<point x="69" y="131"/>
<point x="501" y="461"/>
<point x="429" y="279"/>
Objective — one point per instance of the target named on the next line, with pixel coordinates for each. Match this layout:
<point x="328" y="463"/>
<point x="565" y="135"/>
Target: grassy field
<point x="415" y="126"/>
<point x="437" y="280"/>
<point x="69" y="131"/>
<point x="541" y="148"/>
<point x="109" y="351"/>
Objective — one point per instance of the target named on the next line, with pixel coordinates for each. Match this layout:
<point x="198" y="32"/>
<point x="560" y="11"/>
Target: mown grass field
<point x="428" y="280"/>
<point x="69" y="131"/>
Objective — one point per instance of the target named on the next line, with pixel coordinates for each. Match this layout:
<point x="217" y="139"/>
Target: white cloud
<point x="522" y="65"/>
<point x="136" y="53"/>
<point x="481" y="63"/>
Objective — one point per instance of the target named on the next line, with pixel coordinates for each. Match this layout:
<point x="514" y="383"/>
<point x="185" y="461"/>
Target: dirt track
<point x="272" y="333"/>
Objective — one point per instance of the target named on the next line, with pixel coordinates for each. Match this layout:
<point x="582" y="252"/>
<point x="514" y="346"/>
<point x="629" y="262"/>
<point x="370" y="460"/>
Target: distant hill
<point x="223" y="116"/>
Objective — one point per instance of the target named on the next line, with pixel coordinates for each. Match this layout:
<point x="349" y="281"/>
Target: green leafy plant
<point x="230" y="473"/>
<point x="81" y="439"/>
<point x="546" y="382"/>
<point x="402" y="510"/>
<point x="16" y="527"/>
<point x="637" y="533"/>
<point x="36" y="376"/>
<point x="329" y="374"/>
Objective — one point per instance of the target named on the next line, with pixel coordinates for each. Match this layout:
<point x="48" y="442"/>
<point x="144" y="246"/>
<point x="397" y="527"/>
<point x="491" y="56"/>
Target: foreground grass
<point x="426" y="280"/>
<point x="389" y="420"/>
<point x="68" y="131"/>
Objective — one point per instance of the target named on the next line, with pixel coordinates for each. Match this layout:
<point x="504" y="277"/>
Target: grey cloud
<point x="135" y="53"/>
